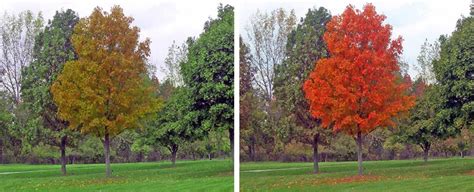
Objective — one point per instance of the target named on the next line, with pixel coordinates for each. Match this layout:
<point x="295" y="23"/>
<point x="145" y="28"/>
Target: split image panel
<point x="356" y="95"/>
<point x="318" y="96"/>
<point x="106" y="96"/>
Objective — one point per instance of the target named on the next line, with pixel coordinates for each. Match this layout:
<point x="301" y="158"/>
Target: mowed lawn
<point x="454" y="174"/>
<point x="203" y="175"/>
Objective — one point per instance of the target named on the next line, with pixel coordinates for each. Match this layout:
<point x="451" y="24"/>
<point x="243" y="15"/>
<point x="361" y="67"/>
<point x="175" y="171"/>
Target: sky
<point x="162" y="21"/>
<point x="414" y="20"/>
<point x="165" y="21"/>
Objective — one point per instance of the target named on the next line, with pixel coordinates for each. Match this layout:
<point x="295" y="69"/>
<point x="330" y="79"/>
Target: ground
<point x="205" y="175"/>
<point x="454" y="174"/>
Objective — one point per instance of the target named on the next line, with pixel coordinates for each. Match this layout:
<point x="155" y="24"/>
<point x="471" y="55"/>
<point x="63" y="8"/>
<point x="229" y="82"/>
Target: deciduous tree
<point x="254" y="132"/>
<point x="106" y="90"/>
<point x="177" y="54"/>
<point x="209" y="75"/>
<point x="305" y="46"/>
<point x="429" y="52"/>
<point x="247" y="136"/>
<point x="267" y="36"/>
<point x="173" y="128"/>
<point x="17" y="34"/>
<point x="423" y="127"/>
<point x="356" y="90"/>
<point x="455" y="74"/>
<point x="6" y="118"/>
<point x="52" y="49"/>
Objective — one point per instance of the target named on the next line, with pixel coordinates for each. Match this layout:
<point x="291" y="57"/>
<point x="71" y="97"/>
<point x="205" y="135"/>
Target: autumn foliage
<point x="105" y="90"/>
<point x="357" y="89"/>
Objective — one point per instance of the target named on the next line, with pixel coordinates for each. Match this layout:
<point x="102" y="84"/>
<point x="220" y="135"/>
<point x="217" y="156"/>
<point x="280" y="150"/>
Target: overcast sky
<point x="164" y="21"/>
<point x="414" y="20"/>
<point x="161" y="21"/>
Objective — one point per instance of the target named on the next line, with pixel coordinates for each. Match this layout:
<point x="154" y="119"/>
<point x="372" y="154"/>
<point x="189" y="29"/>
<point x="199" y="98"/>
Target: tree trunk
<point x="140" y="157"/>
<point x="17" y="149"/>
<point x="252" y="152"/>
<point x="1" y="151"/>
<point x="359" y="152"/>
<point x="209" y="155"/>
<point x="425" y="155"/>
<point x="63" y="154"/>
<point x="108" y="172"/>
<point x="391" y="155"/>
<point x="315" y="154"/>
<point x="231" y="139"/>
<point x="462" y="154"/>
<point x="426" y="150"/>
<point x="174" y="150"/>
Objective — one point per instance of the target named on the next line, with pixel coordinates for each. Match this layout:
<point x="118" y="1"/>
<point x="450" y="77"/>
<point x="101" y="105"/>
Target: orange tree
<point x="356" y="89"/>
<point x="106" y="90"/>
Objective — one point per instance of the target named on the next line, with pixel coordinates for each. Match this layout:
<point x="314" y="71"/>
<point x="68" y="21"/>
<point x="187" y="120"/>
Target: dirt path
<point x="269" y="170"/>
<point x="16" y="172"/>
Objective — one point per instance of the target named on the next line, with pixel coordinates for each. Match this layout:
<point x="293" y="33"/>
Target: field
<point x="215" y="175"/>
<point x="399" y="175"/>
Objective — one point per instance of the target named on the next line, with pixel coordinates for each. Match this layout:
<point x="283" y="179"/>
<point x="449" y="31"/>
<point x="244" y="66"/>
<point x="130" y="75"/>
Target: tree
<point x="253" y="132"/>
<point x="6" y="118"/>
<point x="172" y="127"/>
<point x="454" y="72"/>
<point x="422" y="128"/>
<point x="356" y="90"/>
<point x="429" y="52"/>
<point x="52" y="49"/>
<point x="176" y="55"/>
<point x="246" y="73"/>
<point x="464" y="141"/>
<point x="245" y="93"/>
<point x="106" y="90"/>
<point x="267" y="37"/>
<point x="305" y="47"/>
<point x="209" y="75"/>
<point x="17" y="40"/>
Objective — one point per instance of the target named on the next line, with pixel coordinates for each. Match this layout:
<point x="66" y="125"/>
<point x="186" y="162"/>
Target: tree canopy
<point x="209" y="74"/>
<point x="455" y="73"/>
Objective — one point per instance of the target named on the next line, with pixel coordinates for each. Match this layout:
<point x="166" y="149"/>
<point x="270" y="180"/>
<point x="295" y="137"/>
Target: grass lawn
<point x="204" y="175"/>
<point x="454" y="174"/>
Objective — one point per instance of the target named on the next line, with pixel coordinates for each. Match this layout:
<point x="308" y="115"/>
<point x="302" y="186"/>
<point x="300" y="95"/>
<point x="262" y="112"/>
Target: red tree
<point x="357" y="89"/>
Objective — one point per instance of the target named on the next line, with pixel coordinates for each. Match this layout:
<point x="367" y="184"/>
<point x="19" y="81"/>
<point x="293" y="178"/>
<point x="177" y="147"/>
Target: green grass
<point x="215" y="175"/>
<point x="454" y="174"/>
